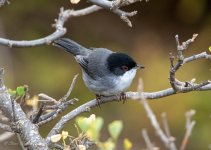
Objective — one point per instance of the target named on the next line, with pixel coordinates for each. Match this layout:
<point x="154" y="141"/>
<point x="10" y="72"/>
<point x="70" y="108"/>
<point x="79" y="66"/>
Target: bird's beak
<point x="138" y="66"/>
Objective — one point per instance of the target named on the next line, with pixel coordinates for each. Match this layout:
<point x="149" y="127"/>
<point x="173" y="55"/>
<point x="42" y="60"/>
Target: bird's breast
<point x="111" y="84"/>
<point x="124" y="81"/>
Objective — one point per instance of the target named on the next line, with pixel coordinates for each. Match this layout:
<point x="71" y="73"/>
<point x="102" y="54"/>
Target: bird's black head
<point x="119" y="63"/>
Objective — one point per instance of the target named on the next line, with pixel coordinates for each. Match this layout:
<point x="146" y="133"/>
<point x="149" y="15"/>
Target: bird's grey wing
<point x="97" y="62"/>
<point x="83" y="62"/>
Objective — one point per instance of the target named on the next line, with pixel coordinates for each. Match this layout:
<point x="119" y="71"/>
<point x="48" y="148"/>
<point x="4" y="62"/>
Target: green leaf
<point x="82" y="123"/>
<point x="12" y="92"/>
<point x="98" y="124"/>
<point x="94" y="130"/>
<point x="115" y="129"/>
<point x="20" y="90"/>
<point x="127" y="144"/>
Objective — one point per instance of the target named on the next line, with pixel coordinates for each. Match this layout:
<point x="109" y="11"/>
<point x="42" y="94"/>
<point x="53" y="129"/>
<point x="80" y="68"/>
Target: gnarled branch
<point x="28" y="131"/>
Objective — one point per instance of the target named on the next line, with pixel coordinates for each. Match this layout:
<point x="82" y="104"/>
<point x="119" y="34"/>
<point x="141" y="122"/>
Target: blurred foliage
<point x="92" y="126"/>
<point x="49" y="70"/>
<point x="89" y="131"/>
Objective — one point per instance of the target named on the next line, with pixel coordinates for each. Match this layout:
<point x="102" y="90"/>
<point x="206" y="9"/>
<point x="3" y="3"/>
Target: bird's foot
<point x="122" y="97"/>
<point x="98" y="98"/>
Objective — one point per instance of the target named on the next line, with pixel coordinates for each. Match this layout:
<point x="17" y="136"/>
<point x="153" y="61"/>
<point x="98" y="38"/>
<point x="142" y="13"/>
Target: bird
<point x="104" y="72"/>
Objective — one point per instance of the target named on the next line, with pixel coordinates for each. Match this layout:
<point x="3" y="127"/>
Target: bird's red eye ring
<point x="125" y="68"/>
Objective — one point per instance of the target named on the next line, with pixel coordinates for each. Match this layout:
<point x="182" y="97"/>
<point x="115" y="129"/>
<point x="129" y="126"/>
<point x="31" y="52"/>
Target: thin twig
<point x="55" y="114"/>
<point x="45" y="96"/>
<point x="66" y="103"/>
<point x="64" y="98"/>
<point x="114" y="7"/>
<point x="58" y="107"/>
<point x="52" y="115"/>
<point x="165" y="124"/>
<point x="185" y="44"/>
<point x="39" y="113"/>
<point x="164" y="138"/>
<point x="20" y="141"/>
<point x="147" y="140"/>
<point x="181" y="61"/>
<point x="167" y="141"/>
<point x="189" y="127"/>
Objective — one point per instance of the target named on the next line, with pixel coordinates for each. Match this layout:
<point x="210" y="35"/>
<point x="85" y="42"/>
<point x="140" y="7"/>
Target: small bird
<point x="105" y="72"/>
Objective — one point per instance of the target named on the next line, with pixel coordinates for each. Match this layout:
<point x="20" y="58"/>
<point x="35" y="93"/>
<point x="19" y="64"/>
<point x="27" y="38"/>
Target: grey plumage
<point x="71" y="46"/>
<point x="95" y="66"/>
<point x="97" y="58"/>
<point x="87" y="58"/>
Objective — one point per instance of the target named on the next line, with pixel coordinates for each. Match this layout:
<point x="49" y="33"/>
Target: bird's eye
<point x="125" y="68"/>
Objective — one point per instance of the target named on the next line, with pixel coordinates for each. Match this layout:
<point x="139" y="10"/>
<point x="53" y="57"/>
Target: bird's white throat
<point x="126" y="79"/>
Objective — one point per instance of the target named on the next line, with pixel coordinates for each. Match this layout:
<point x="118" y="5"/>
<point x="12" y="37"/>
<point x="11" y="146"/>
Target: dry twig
<point x="155" y="124"/>
<point x="177" y="85"/>
<point x="147" y="140"/>
<point x="189" y="127"/>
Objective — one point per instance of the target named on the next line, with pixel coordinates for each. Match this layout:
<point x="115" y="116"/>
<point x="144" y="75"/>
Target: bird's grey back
<point x="98" y="62"/>
<point x="93" y="62"/>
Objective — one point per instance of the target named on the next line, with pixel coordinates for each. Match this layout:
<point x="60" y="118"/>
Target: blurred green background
<point x="50" y="70"/>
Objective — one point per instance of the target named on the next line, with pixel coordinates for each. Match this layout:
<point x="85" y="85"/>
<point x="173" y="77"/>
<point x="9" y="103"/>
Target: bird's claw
<point x="122" y="97"/>
<point x="98" y="98"/>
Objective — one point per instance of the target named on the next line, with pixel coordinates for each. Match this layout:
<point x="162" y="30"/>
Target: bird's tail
<point x="71" y="46"/>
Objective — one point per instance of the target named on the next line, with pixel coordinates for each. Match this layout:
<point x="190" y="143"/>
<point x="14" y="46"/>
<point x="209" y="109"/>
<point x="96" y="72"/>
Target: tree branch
<point x="176" y="84"/>
<point x="52" y="115"/>
<point x="28" y="132"/>
<point x="114" y="7"/>
<point x="58" y="107"/>
<point x="64" y="15"/>
<point x="39" y="113"/>
<point x="129" y="95"/>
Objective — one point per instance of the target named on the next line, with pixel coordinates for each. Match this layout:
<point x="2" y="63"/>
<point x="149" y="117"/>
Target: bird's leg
<point x="122" y="97"/>
<point x="98" y="98"/>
